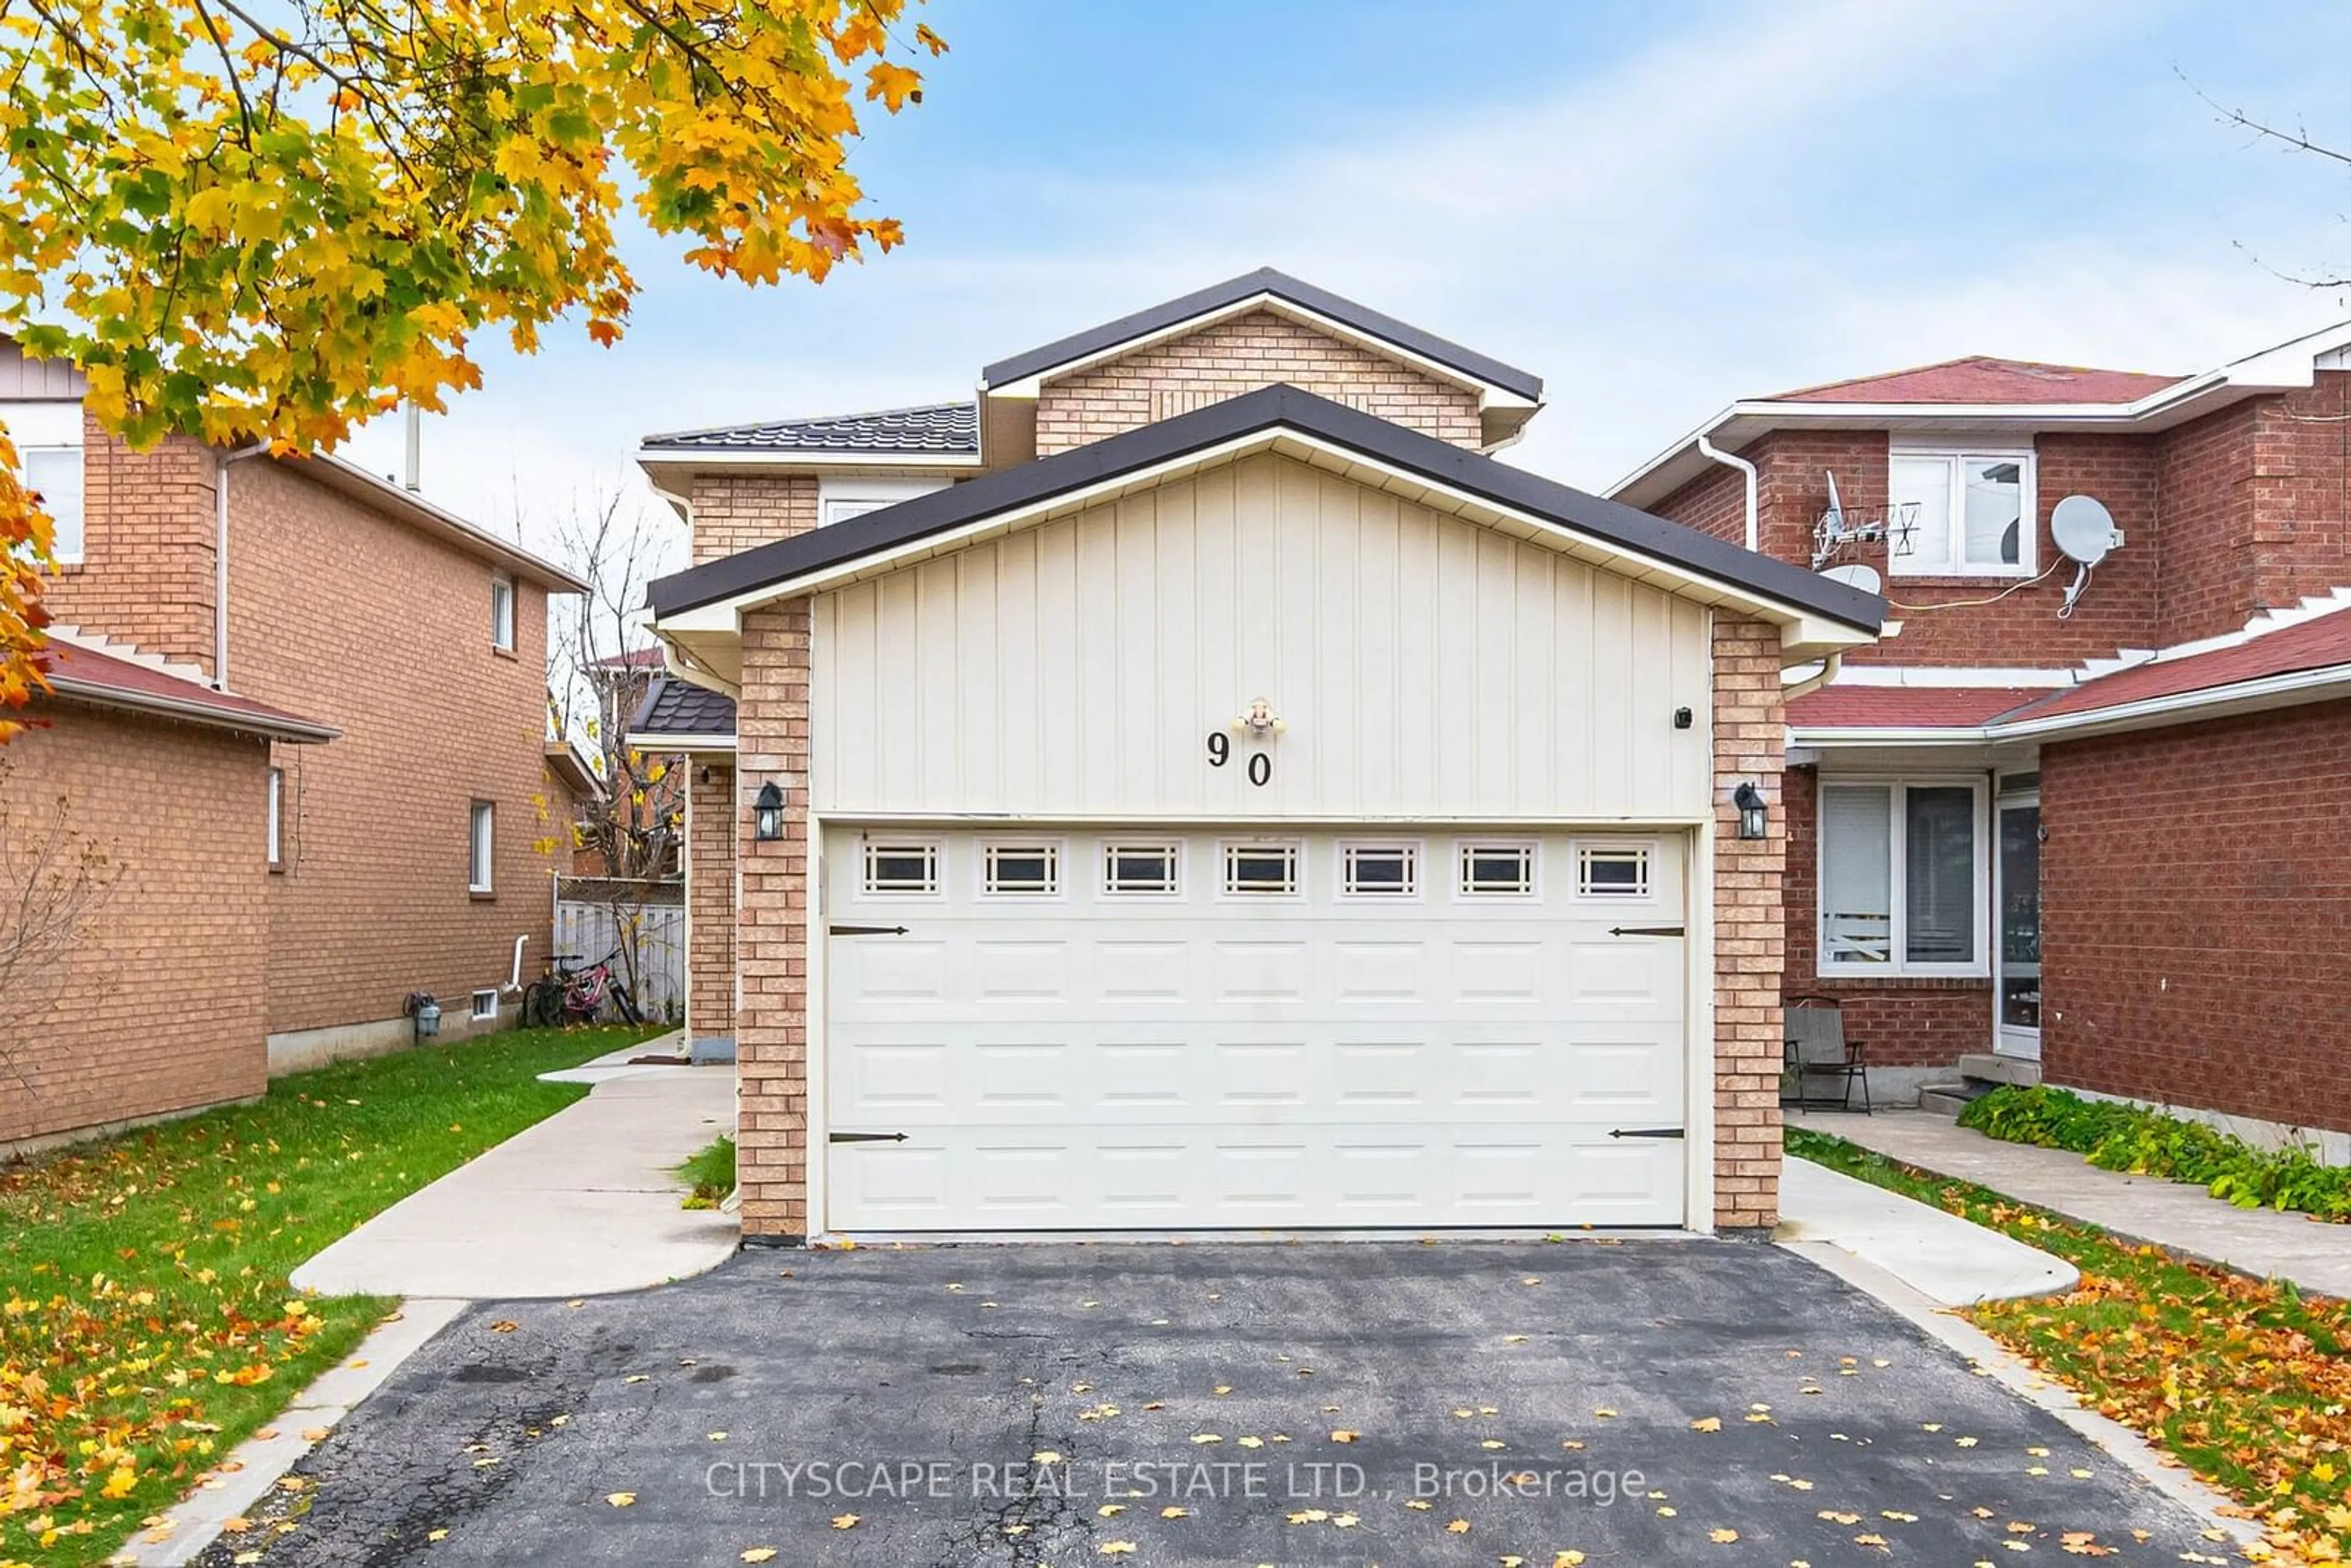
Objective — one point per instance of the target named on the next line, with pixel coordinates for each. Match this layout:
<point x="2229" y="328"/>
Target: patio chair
<point x="1819" y="1052"/>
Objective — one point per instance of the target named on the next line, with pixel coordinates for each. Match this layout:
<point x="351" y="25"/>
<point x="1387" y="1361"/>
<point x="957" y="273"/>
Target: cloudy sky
<point x="1658" y="208"/>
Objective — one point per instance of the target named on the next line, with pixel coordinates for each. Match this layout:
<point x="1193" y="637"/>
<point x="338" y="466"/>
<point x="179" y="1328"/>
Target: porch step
<point x="1985" y="1068"/>
<point x="1950" y="1099"/>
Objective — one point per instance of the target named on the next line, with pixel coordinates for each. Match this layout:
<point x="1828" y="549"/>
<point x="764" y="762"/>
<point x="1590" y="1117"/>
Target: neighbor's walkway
<point x="2173" y="1215"/>
<point x="1950" y="1260"/>
<point x="581" y="1204"/>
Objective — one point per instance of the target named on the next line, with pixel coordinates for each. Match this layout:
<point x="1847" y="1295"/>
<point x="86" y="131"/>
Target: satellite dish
<point x="2083" y="528"/>
<point x="1856" y="575"/>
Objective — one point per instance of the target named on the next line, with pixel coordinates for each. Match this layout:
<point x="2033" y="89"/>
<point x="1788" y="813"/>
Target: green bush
<point x="2121" y="1137"/>
<point x="710" y="1174"/>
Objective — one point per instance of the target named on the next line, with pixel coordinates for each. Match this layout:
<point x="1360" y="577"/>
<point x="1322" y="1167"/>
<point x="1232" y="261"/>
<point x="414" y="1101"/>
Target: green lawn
<point x="2248" y="1383"/>
<point x="146" y="1325"/>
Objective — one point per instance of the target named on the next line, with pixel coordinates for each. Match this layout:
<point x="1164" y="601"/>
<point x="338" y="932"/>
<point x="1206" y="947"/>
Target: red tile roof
<point x="1981" y="378"/>
<point x="90" y="676"/>
<point x="632" y="659"/>
<point x="1904" y="707"/>
<point x="2312" y="645"/>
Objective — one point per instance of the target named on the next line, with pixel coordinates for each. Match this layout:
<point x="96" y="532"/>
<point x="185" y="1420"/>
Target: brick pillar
<point x="771" y="926"/>
<point x="1749" y="929"/>
<point x="710" y="830"/>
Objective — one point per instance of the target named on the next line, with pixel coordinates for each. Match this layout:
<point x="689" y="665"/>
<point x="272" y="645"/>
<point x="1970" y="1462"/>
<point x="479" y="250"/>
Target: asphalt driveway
<point x="1339" y="1403"/>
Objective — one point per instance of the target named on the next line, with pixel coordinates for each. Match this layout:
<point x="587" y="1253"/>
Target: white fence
<point x="592" y="918"/>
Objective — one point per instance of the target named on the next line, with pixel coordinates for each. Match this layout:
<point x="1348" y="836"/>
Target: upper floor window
<point x="481" y="838"/>
<point x="1960" y="514"/>
<point x="49" y="438"/>
<point x="502" y="614"/>
<point x="841" y="496"/>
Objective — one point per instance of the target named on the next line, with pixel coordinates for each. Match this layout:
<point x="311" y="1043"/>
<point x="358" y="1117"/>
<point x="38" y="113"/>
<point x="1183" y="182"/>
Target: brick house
<point x="1193" y="785"/>
<point x="2079" y="822"/>
<point x="303" y="838"/>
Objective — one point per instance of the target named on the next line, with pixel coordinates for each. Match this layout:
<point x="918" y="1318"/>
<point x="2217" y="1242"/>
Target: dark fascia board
<point x="1281" y="285"/>
<point x="1288" y="407"/>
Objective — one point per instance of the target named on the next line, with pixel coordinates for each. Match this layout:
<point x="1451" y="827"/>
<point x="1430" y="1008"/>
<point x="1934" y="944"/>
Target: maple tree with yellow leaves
<point x="268" y="222"/>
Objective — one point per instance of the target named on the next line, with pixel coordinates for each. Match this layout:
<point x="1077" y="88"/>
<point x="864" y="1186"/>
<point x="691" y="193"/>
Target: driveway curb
<point x="194" y="1521"/>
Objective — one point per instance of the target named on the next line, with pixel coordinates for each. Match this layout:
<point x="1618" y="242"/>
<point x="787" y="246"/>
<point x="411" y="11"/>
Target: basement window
<point x="1507" y="870"/>
<point x="901" y="867"/>
<point x="1260" y="869"/>
<point x="1032" y="868"/>
<point x="1140" y="868"/>
<point x="485" y="1006"/>
<point x="1380" y="871"/>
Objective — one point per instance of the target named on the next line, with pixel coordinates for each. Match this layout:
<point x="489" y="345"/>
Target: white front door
<point x="1159" y="1029"/>
<point x="2016" y="981"/>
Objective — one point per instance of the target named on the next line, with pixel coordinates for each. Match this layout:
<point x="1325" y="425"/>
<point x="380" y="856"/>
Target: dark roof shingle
<point x="680" y="707"/>
<point x="948" y="428"/>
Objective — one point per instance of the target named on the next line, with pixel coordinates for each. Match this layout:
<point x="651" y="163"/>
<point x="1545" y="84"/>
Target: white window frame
<point x="843" y="497"/>
<point x="1527" y="849"/>
<point x="990" y="853"/>
<point x="1956" y="456"/>
<point x="1294" y="849"/>
<point x="874" y="848"/>
<point x="1897" y="787"/>
<point x="502" y="614"/>
<point x="482" y="847"/>
<point x="485" y="1006"/>
<point x="53" y="426"/>
<point x="1407" y="892"/>
<point x="1587" y="850"/>
<point x="274" y="830"/>
<point x="1114" y="848"/>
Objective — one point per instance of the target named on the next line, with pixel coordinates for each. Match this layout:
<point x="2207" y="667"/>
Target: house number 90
<point x="1220" y="751"/>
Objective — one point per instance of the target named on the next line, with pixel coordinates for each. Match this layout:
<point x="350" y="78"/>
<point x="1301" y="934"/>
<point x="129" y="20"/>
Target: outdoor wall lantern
<point x="1752" y="811"/>
<point x="768" y="811"/>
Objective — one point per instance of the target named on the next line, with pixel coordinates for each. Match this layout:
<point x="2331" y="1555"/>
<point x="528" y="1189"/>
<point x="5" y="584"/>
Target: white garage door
<point x="1150" y="1030"/>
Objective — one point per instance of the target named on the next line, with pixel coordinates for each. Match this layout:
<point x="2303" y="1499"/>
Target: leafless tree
<point x="2293" y="138"/>
<point x="602" y="662"/>
<point x="54" y="880"/>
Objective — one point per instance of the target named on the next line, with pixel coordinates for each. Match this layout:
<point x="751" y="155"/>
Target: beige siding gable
<point x="1422" y="665"/>
<point x="1162" y="380"/>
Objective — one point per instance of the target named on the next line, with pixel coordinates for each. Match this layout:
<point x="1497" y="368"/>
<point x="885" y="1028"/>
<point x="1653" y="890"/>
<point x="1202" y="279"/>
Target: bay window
<point x="1960" y="514"/>
<point x="1904" y="870"/>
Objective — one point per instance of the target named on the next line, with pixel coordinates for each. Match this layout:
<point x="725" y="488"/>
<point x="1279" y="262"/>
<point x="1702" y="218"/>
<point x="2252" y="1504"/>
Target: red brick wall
<point x="2206" y="471"/>
<point x="1903" y="1022"/>
<point x="1750" y="736"/>
<point x="771" y="933"/>
<point x="148" y="536"/>
<point x="2196" y="891"/>
<point x="2302" y="493"/>
<point x="1238" y="356"/>
<point x="343" y="614"/>
<point x="160" y="1008"/>
<point x="2021" y="628"/>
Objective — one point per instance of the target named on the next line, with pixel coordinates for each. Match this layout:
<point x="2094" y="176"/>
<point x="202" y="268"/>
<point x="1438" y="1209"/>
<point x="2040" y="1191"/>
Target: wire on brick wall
<point x="1972" y="603"/>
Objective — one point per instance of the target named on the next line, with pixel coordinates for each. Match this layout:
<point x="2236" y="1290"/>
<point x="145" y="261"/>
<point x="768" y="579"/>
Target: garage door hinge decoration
<point x="1645" y="1132"/>
<point x="873" y="1137"/>
<point x="866" y="930"/>
<point x="1645" y="931"/>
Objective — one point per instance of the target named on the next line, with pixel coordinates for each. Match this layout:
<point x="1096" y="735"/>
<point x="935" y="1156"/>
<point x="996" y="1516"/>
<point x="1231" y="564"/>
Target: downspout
<point x="1828" y="672"/>
<point x="1707" y="449"/>
<point x="220" y="559"/>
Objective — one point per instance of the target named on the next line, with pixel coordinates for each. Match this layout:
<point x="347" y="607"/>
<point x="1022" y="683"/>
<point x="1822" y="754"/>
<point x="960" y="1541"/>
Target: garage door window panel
<point x="901" y="868"/>
<point x="1261" y="871"/>
<point x="1150" y="870"/>
<point x="1613" y="871"/>
<point x="1498" y="869"/>
<point x="1904" y="872"/>
<point x="1021" y="870"/>
<point x="1379" y="870"/>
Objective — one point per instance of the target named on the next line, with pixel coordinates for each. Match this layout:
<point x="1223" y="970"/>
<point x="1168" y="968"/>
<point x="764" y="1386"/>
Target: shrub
<point x="710" y="1174"/>
<point x="2117" y="1136"/>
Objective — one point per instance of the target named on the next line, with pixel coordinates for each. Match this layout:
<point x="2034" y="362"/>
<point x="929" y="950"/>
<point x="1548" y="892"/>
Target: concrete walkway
<point x="2173" y="1215"/>
<point x="583" y="1203"/>
<point x="1944" y="1257"/>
